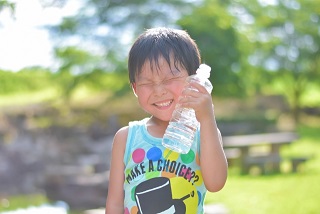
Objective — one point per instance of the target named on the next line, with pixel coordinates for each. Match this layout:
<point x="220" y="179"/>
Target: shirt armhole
<point x="198" y="141"/>
<point x="128" y="143"/>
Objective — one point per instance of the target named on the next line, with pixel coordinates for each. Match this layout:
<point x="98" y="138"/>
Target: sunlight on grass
<point x="311" y="96"/>
<point x="292" y="193"/>
<point x="269" y="194"/>
<point x="27" y="98"/>
<point x="21" y="201"/>
<point x="87" y="96"/>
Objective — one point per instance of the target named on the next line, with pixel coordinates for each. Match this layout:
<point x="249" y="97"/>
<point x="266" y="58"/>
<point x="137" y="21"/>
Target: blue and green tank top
<point x="158" y="180"/>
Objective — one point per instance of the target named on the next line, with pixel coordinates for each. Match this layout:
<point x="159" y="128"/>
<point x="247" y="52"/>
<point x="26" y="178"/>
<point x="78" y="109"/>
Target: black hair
<point x="163" y="42"/>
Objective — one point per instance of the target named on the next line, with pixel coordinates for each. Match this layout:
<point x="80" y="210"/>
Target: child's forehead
<point x="160" y="67"/>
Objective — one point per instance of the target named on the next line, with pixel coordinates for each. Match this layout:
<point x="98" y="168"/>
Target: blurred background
<point x="64" y="92"/>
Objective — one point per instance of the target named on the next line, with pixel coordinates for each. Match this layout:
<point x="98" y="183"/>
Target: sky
<point x="23" y="40"/>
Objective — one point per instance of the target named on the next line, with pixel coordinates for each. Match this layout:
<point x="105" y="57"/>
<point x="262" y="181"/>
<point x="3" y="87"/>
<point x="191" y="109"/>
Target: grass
<point x="270" y="194"/>
<point x="293" y="193"/>
<point x="21" y="99"/>
<point x="21" y="201"/>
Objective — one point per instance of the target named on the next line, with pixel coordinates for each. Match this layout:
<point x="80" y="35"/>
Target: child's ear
<point x="134" y="88"/>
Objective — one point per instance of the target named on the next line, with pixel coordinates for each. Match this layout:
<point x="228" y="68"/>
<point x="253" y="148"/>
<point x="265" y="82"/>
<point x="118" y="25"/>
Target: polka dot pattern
<point x="154" y="154"/>
<point x="138" y="155"/>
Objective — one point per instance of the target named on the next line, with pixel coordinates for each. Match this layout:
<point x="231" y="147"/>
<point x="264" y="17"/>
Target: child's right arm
<point x="115" y="198"/>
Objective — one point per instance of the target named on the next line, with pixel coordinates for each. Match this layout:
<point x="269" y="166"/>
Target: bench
<point x="232" y="154"/>
<point x="245" y="143"/>
<point x="266" y="163"/>
<point x="297" y="161"/>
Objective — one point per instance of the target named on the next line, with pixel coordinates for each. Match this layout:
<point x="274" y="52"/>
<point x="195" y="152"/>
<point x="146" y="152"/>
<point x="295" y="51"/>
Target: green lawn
<point x="21" y="201"/>
<point x="270" y="194"/>
<point x="294" y="193"/>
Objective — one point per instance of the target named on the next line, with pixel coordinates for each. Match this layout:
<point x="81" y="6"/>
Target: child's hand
<point x="200" y="100"/>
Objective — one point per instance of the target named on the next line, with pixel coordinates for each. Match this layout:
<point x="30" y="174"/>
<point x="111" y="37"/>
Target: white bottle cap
<point x="204" y="71"/>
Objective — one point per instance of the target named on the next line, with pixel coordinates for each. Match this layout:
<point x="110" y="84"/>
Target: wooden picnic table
<point x="245" y="143"/>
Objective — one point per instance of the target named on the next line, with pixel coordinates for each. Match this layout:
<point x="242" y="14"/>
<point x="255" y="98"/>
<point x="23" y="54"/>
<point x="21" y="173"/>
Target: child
<point x="145" y="177"/>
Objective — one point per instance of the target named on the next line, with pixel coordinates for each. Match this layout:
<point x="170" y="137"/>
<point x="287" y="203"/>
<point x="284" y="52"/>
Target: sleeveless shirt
<point x="158" y="180"/>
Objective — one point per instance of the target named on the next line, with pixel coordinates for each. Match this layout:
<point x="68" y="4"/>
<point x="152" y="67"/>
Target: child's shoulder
<point x="119" y="140"/>
<point x="122" y="133"/>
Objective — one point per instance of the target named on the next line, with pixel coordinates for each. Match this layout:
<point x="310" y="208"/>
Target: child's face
<point x="158" y="90"/>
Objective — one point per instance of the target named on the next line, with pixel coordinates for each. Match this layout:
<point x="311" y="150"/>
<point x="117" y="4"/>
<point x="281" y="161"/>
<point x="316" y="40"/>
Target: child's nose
<point x="159" y="89"/>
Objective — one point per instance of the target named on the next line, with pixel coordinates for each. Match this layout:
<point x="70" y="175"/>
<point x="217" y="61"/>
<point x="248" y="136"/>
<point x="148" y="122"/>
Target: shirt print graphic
<point x="163" y="182"/>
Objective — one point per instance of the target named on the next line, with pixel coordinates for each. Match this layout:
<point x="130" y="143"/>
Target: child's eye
<point x="144" y="84"/>
<point x="173" y="79"/>
<point x="170" y="80"/>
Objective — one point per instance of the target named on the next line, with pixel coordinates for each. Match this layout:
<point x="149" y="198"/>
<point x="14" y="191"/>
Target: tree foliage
<point x="286" y="45"/>
<point x="7" y="4"/>
<point x="77" y="67"/>
<point x="254" y="47"/>
<point x="212" y="27"/>
<point x="104" y="31"/>
<point x="108" y="27"/>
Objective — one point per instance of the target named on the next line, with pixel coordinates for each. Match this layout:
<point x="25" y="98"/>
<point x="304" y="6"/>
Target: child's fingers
<point x="197" y="86"/>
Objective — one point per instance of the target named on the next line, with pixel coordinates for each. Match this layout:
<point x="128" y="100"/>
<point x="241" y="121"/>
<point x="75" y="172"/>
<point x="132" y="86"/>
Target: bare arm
<point x="115" y="199"/>
<point x="213" y="162"/>
<point x="212" y="159"/>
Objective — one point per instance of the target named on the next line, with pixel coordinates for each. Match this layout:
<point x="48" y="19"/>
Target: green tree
<point x="9" y="5"/>
<point x="110" y="26"/>
<point x="105" y="30"/>
<point x="286" y="42"/>
<point x="259" y="47"/>
<point x="77" y="67"/>
<point x="212" y="27"/>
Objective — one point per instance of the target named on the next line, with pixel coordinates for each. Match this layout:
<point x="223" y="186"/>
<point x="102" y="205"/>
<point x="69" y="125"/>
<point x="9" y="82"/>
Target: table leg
<point x="275" y="150"/>
<point x="244" y="166"/>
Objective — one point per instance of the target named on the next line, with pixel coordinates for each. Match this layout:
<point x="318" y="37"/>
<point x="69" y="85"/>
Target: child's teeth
<point x="164" y="104"/>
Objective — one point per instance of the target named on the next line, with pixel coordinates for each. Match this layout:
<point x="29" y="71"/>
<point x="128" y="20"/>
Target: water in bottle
<point x="183" y="125"/>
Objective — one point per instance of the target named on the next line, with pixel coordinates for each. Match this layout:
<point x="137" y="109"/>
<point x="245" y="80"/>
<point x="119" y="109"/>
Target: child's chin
<point x="165" y="119"/>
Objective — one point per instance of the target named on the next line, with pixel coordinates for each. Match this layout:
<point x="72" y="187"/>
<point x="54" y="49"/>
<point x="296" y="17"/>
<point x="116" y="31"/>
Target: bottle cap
<point x="204" y="71"/>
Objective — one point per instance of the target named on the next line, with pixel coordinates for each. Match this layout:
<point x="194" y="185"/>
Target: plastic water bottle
<point x="183" y="125"/>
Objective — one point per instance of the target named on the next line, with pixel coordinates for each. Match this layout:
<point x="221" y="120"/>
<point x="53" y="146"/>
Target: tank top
<point x="158" y="180"/>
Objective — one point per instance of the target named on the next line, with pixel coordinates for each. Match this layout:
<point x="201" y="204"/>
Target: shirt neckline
<point x="151" y="139"/>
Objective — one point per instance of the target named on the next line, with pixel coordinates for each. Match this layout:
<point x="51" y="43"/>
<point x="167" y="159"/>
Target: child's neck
<point x="156" y="127"/>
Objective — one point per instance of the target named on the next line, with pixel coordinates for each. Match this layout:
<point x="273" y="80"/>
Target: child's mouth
<point x="163" y="104"/>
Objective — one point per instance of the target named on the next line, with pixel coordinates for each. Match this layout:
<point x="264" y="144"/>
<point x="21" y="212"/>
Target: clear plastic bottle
<point x="183" y="125"/>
